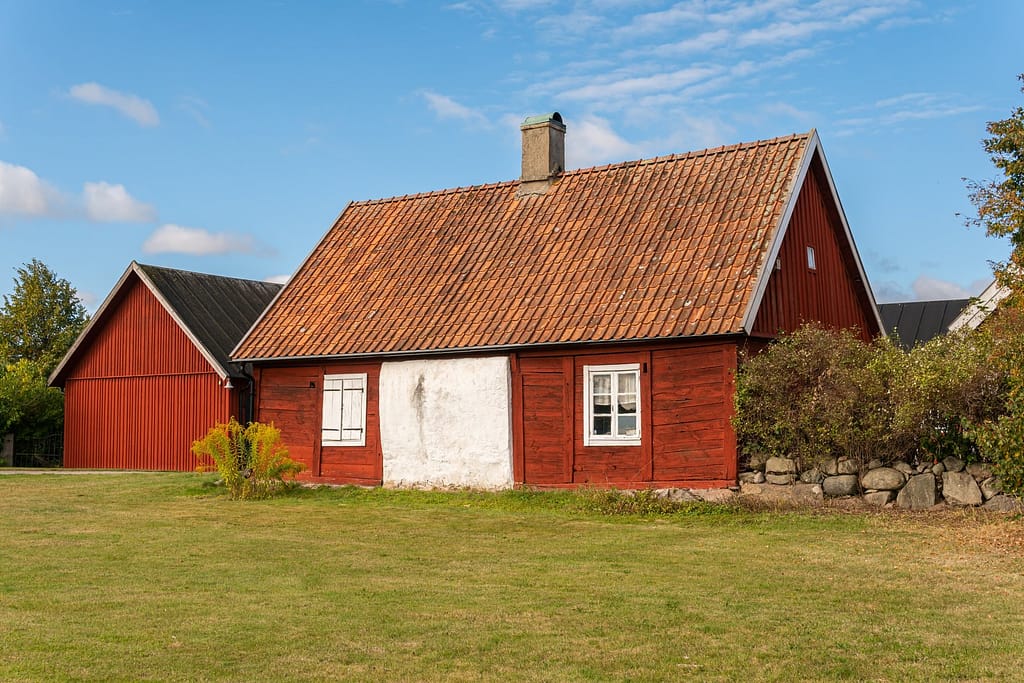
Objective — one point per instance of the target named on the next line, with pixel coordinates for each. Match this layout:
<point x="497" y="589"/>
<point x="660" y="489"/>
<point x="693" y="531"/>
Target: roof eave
<point x="505" y="348"/>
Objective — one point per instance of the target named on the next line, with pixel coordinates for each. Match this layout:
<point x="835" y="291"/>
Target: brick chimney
<point x="543" y="152"/>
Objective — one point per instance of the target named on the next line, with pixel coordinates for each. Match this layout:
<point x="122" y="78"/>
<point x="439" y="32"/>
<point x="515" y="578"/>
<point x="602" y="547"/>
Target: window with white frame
<point x="344" y="417"/>
<point x="611" y="399"/>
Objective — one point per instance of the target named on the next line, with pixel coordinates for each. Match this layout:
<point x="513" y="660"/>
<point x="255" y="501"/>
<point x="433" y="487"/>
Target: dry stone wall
<point x="920" y="487"/>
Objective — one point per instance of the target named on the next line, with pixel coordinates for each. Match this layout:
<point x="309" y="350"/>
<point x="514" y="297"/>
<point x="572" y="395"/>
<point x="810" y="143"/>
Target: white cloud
<point x="88" y="298"/>
<point x="196" y="108"/>
<point x="177" y="239"/>
<point x="629" y="87"/>
<point x="134" y="107"/>
<point x="447" y="108"/>
<point x="927" y="288"/>
<point x="105" y="202"/>
<point x="592" y="141"/>
<point x="22" y="192"/>
<point x="277" y="279"/>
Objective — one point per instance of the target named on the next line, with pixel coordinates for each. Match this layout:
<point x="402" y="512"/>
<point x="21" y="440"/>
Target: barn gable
<point x="149" y="373"/>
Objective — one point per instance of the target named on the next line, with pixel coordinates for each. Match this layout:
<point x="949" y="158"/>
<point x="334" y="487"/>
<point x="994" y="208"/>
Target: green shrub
<point x="251" y="460"/>
<point x="821" y="393"/>
<point x="1000" y="437"/>
<point x="814" y="394"/>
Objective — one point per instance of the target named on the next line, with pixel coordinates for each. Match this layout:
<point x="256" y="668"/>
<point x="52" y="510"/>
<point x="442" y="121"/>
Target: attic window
<point x="810" y="259"/>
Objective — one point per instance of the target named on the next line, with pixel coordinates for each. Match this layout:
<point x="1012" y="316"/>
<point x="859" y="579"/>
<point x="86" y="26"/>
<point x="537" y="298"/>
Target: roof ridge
<point x="679" y="156"/>
<point x="213" y="275"/>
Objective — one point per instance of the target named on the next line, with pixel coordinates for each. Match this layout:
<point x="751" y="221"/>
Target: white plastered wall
<point x="447" y="422"/>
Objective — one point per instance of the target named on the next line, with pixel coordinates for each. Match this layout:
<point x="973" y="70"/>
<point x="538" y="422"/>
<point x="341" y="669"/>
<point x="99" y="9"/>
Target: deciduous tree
<point x="41" y="319"/>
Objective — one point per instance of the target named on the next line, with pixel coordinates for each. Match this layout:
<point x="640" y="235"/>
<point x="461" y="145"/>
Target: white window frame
<point x="338" y="383"/>
<point x="591" y="439"/>
<point x="812" y="263"/>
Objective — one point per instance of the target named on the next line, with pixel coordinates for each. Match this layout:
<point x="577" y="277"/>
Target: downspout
<point x="246" y="370"/>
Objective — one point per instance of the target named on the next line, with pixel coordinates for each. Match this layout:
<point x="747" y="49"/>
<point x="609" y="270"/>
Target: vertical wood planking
<point x="830" y="294"/>
<point x="140" y="392"/>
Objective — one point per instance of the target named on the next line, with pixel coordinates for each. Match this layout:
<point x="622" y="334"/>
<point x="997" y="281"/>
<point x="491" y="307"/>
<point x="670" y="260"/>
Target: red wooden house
<point x="150" y="373"/>
<point x="565" y="328"/>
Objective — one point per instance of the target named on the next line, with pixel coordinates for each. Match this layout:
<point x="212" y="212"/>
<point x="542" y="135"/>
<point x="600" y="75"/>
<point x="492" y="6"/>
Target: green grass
<point x="159" y="577"/>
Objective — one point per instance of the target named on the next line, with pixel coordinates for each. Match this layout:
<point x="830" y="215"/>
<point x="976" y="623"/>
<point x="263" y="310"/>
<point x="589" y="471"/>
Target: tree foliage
<point x="41" y="319"/>
<point x="1000" y="211"/>
<point x="28" y="407"/>
<point x="38" y="323"/>
<point x="1000" y="202"/>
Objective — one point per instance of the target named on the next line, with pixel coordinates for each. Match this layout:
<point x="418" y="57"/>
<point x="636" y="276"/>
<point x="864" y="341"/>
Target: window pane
<point x="602" y="425"/>
<point x="602" y="405"/>
<point x="627" y="383"/>
<point x="627" y="404"/>
<point x="627" y="425"/>
<point x="601" y="384"/>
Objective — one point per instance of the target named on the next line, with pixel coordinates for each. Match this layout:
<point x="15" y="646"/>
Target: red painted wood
<point x="292" y="398"/>
<point x="830" y="294"/>
<point x="139" y="392"/>
<point x="518" y="449"/>
<point x="686" y="397"/>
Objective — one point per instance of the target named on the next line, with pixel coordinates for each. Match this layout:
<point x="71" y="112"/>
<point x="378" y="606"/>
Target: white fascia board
<point x="980" y="307"/>
<point x="93" y="321"/>
<point x="286" y="284"/>
<point x="813" y="148"/>
<point x="221" y="370"/>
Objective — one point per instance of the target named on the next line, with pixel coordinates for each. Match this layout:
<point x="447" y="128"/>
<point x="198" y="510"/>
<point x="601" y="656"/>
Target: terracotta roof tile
<point x="657" y="248"/>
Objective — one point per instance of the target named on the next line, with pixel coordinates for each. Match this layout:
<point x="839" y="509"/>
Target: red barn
<point x="150" y="373"/>
<point x="566" y="328"/>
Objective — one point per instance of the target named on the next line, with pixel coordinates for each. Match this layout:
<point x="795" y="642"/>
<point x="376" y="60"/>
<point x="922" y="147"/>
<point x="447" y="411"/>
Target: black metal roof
<point x="218" y="310"/>
<point x="915" y="322"/>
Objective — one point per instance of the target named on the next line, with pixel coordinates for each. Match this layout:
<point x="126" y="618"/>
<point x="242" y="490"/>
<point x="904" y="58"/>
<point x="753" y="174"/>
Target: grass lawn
<point x="159" y="577"/>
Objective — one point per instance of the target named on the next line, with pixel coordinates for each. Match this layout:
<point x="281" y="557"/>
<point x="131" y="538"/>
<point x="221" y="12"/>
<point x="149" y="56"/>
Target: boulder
<point x="874" y="464"/>
<point x="883" y="479"/>
<point x="903" y="467"/>
<point x="840" y="485"/>
<point x="879" y="498"/>
<point x="830" y="467"/>
<point x="847" y="466"/>
<point x="807" y="494"/>
<point x="959" y="488"/>
<point x="780" y="479"/>
<point x="677" y="495"/>
<point x="1003" y="503"/>
<point x="937" y="469"/>
<point x="991" y="487"/>
<point x="751" y="477"/>
<point x="780" y="466"/>
<point x="757" y="461"/>
<point x="953" y="463"/>
<point x="918" y="494"/>
<point x="980" y="471"/>
<point x="811" y="476"/>
<point x="715" y="495"/>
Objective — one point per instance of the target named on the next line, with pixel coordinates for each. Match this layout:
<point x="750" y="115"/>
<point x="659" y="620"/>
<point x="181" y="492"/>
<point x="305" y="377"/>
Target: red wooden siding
<point x="140" y="393"/>
<point x="830" y="294"/>
<point x="686" y="403"/>
<point x="292" y="399"/>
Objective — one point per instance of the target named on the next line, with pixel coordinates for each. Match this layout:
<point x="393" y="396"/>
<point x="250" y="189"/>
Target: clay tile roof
<point x="658" y="248"/>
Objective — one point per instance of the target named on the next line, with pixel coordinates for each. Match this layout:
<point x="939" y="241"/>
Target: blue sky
<point x="226" y="137"/>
